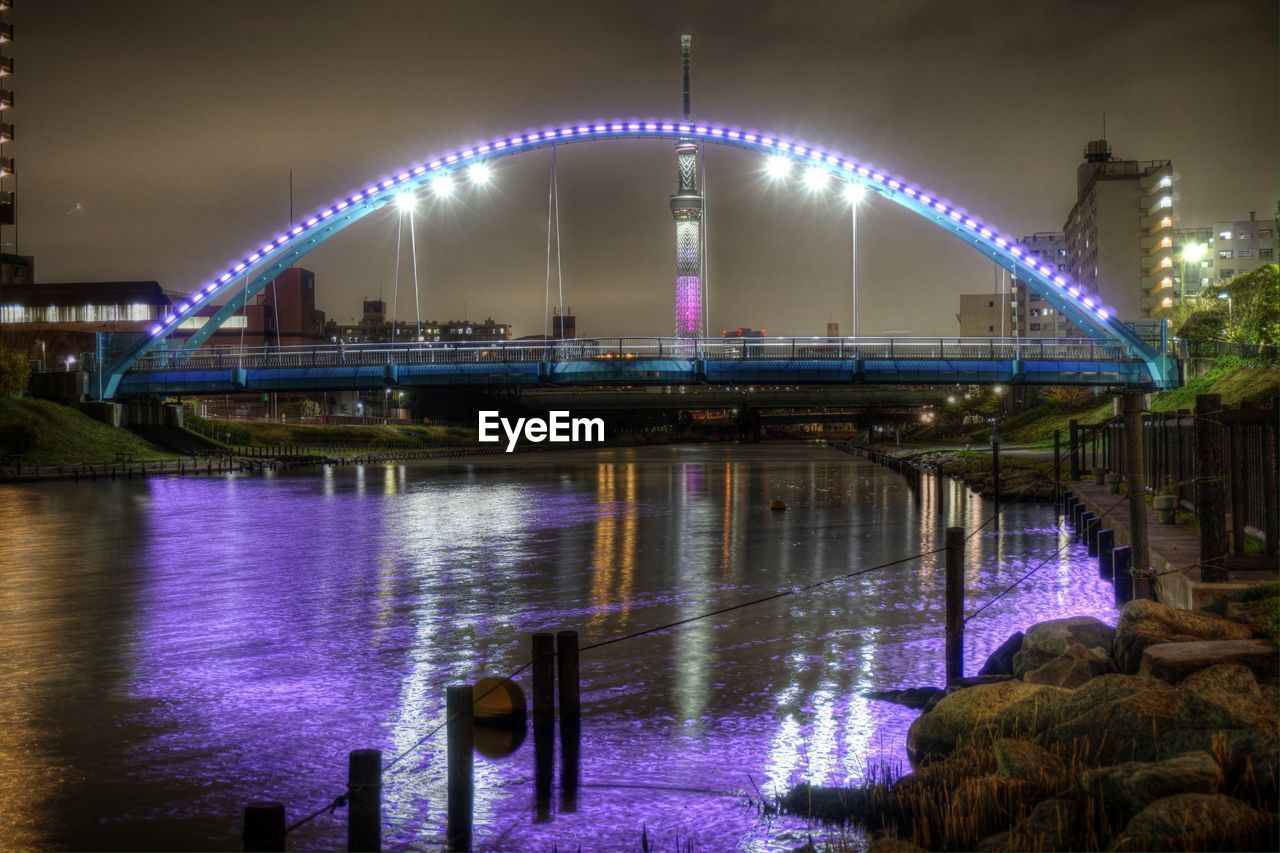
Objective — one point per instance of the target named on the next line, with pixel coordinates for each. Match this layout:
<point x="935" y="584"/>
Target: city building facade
<point x="1119" y="234"/>
<point x="1209" y="255"/>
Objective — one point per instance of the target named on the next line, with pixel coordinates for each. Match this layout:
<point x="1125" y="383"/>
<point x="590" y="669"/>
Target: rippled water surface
<point x="173" y="648"/>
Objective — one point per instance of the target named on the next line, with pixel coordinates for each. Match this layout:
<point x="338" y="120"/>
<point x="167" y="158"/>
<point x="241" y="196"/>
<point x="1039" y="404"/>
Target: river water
<point x="171" y="649"/>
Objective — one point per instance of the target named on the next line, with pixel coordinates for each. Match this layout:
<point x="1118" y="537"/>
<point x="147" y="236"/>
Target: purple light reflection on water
<point x="320" y="613"/>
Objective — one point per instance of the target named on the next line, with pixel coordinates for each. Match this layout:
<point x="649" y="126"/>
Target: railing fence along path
<point x="499" y="352"/>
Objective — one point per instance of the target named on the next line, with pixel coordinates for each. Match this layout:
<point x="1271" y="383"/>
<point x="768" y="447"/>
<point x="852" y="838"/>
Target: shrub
<point x="15" y="372"/>
<point x="18" y="438"/>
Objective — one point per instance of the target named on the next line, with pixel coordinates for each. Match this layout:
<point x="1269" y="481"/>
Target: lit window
<point x="1224" y="235"/>
<point x="1225" y="254"/>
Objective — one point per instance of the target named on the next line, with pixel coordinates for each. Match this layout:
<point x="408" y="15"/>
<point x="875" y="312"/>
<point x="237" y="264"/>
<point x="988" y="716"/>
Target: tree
<point x="1206" y="324"/>
<point x="15" y="372"/>
<point x="1254" y="306"/>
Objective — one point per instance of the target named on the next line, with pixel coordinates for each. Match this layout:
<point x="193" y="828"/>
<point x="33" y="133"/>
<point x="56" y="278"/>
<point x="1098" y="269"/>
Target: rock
<point x="1027" y="660"/>
<point x="961" y="684"/>
<point x="998" y="843"/>
<point x="1022" y="759"/>
<point x="1115" y="718"/>
<point x="1146" y="623"/>
<point x="1052" y="825"/>
<point x="1054" y="637"/>
<point x="1004" y="708"/>
<point x="1175" y="661"/>
<point x="912" y="697"/>
<point x="1000" y="662"/>
<point x="1071" y="669"/>
<point x="1225" y="696"/>
<point x="1134" y="785"/>
<point x="991" y="802"/>
<point x="1196" y="822"/>
<point x="1250" y="759"/>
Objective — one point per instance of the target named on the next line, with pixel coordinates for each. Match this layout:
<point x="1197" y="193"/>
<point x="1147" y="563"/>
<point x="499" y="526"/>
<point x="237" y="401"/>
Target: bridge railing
<point x="624" y="349"/>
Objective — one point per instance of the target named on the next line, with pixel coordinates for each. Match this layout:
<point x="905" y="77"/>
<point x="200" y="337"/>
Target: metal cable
<point x="760" y="600"/>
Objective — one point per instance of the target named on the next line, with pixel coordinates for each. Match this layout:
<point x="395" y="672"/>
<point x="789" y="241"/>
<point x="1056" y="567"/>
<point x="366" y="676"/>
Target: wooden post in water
<point x="1105" y="542"/>
<point x="461" y="737"/>
<point x="544" y="674"/>
<point x="364" y="801"/>
<point x="263" y="827"/>
<point x="1082" y="532"/>
<point x="1211" y="504"/>
<point x="1057" y="469"/>
<point x="995" y="480"/>
<point x="1073" y="447"/>
<point x="567" y="676"/>
<point x="1091" y="531"/>
<point x="955" y="603"/>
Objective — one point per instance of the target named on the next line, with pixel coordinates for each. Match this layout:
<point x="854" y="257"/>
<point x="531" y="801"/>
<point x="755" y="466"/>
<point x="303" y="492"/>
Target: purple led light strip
<point x="877" y="180"/>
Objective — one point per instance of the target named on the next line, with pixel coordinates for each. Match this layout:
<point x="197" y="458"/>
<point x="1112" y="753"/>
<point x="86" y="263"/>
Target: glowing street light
<point x="777" y="166"/>
<point x="442" y="185"/>
<point x="405" y="202"/>
<point x="816" y="178"/>
<point x="854" y="192"/>
<point x="1192" y="253"/>
<point x="479" y="173"/>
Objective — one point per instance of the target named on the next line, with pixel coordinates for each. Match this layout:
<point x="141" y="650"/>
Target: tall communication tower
<point x="687" y="208"/>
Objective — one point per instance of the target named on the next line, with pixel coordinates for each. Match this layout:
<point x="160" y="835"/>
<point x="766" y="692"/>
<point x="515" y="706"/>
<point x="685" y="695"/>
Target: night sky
<point x="154" y="141"/>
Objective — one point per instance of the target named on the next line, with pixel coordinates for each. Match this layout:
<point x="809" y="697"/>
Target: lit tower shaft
<point x="686" y="208"/>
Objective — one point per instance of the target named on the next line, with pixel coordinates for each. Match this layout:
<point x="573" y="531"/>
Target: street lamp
<point x="1192" y="252"/>
<point x="855" y="193"/>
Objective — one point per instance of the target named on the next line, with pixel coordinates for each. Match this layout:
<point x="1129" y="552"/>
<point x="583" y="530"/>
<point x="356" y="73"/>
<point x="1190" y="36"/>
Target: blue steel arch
<point x="262" y="265"/>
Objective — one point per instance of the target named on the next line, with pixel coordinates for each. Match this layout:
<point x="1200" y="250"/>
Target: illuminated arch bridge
<point x="1119" y="355"/>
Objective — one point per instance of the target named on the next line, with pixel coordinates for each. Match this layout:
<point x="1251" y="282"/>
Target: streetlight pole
<point x="855" y="193"/>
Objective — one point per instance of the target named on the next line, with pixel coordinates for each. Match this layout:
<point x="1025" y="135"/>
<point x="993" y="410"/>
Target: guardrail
<point x="603" y="349"/>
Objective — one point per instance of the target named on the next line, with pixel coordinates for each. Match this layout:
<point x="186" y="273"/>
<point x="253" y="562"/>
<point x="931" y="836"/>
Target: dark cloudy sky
<point x="154" y="139"/>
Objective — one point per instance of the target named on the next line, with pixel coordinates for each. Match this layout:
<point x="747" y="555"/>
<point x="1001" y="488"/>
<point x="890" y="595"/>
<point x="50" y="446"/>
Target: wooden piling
<point x="1106" y="540"/>
<point x="995" y="481"/>
<point x="955" y="603"/>
<point x="1211" y="509"/>
<point x="460" y="770"/>
<point x="364" y="801"/>
<point x="1073" y="447"/>
<point x="1057" y="468"/>
<point x="544" y="668"/>
<point x="567" y="677"/>
<point x="263" y="827"/>
<point x="1082" y="532"/>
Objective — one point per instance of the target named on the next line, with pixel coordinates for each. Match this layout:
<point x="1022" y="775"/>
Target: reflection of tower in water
<point x="614" y="555"/>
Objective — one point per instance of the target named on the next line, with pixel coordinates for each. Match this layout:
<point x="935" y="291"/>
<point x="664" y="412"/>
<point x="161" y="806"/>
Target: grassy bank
<point x="1236" y="380"/>
<point x="377" y="437"/>
<point x="64" y="435"/>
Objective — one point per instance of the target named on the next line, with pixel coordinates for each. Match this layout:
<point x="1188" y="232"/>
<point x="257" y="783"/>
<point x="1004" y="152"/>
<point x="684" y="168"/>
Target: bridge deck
<point x="639" y="361"/>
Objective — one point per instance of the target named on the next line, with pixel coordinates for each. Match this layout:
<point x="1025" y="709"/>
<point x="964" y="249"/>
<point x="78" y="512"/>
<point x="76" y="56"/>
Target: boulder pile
<point x="1158" y="734"/>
